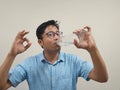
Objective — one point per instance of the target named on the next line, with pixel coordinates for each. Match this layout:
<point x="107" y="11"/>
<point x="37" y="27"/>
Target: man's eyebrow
<point x="52" y="31"/>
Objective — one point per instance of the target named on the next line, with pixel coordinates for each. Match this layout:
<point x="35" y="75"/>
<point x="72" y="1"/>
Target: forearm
<point x="4" y="69"/>
<point x="100" y="70"/>
<point x="17" y="48"/>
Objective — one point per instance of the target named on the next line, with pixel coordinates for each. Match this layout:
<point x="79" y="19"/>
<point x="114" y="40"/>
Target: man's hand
<point x="99" y="72"/>
<point x="17" y="47"/>
<point x="86" y="40"/>
<point x="20" y="43"/>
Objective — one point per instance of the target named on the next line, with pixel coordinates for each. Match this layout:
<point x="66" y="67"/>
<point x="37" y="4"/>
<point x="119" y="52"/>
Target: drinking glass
<point x="68" y="39"/>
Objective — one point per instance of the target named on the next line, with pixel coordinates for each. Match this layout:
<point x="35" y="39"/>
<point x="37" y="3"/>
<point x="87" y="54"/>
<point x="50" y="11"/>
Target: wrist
<point x="93" y="49"/>
<point x="12" y="54"/>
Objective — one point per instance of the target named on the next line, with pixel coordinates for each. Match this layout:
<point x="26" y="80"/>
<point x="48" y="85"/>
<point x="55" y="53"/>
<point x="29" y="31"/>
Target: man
<point x="52" y="69"/>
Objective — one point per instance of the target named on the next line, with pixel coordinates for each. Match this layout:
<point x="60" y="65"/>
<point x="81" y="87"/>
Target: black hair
<point x="41" y="28"/>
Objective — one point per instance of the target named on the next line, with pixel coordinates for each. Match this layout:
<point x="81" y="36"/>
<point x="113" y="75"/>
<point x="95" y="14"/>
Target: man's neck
<point x="51" y="56"/>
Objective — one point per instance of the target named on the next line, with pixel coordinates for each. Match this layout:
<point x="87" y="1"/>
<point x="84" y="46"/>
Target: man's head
<point x="48" y="35"/>
<point x="41" y="29"/>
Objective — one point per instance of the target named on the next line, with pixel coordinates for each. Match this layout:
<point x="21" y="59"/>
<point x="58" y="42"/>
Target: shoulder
<point x="67" y="54"/>
<point x="34" y="57"/>
<point x="31" y="60"/>
<point x="70" y="57"/>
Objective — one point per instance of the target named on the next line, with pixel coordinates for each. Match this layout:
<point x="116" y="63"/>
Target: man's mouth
<point x="57" y="43"/>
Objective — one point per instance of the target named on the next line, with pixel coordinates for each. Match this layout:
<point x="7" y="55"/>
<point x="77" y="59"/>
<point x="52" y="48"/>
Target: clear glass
<point x="68" y="39"/>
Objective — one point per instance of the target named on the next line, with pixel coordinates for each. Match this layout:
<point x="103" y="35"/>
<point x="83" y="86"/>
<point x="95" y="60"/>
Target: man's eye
<point x="58" y="34"/>
<point x="50" y="34"/>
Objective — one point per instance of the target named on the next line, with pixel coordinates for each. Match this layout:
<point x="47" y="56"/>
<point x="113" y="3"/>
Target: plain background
<point x="102" y="15"/>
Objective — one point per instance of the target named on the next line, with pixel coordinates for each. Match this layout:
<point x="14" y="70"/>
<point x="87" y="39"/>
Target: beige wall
<point x="102" y="15"/>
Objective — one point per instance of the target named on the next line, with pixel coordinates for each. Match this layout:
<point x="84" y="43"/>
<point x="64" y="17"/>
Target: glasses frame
<point x="52" y="34"/>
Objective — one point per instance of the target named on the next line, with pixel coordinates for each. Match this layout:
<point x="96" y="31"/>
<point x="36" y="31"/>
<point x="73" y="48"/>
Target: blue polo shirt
<point x="42" y="75"/>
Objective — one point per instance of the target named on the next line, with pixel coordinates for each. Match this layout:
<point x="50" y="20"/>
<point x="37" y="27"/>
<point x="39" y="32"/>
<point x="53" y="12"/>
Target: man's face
<point x="50" y="37"/>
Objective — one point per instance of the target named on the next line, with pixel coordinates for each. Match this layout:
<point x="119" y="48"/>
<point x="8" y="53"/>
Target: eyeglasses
<point x="52" y="34"/>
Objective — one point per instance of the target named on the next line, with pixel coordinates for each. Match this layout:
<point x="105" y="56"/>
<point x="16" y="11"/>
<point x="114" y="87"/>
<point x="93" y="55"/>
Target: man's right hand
<point x="17" y="47"/>
<point x="20" y="44"/>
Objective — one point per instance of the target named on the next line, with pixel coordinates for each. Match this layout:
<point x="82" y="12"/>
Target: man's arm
<point x="99" y="72"/>
<point x="17" y="48"/>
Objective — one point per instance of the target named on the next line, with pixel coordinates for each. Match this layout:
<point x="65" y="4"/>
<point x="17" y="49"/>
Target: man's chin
<point x="58" y="49"/>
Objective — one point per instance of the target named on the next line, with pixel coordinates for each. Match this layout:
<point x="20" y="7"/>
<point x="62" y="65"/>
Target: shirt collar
<point x="60" y="58"/>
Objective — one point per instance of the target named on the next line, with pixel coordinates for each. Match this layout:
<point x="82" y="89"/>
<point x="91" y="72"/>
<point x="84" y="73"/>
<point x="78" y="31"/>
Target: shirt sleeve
<point x="17" y="75"/>
<point x="83" y="68"/>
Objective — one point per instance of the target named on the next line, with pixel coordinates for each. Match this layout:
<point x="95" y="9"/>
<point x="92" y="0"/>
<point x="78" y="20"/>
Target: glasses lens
<point x="51" y="34"/>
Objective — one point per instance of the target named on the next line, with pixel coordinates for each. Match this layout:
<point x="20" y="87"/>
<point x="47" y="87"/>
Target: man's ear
<point x="40" y="42"/>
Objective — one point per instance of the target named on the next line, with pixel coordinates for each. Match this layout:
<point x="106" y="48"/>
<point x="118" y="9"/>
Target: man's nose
<point x="56" y="36"/>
